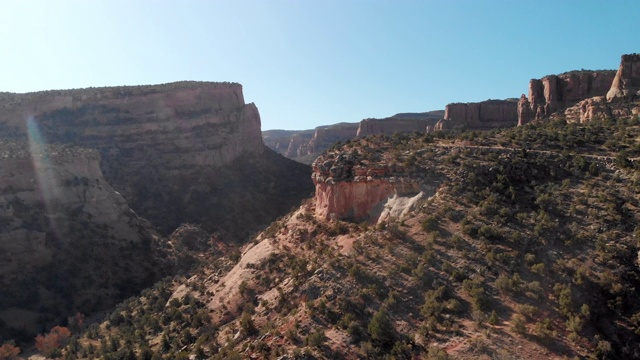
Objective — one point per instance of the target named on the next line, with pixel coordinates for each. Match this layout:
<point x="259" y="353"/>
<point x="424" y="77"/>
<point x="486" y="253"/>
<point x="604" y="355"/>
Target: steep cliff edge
<point x="626" y="84"/>
<point x="171" y="150"/>
<point x="554" y="93"/>
<point x="621" y="99"/>
<point x="481" y="115"/>
<point x="68" y="242"/>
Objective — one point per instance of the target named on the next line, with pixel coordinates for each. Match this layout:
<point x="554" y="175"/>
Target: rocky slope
<point x="165" y="148"/>
<point x="62" y="226"/>
<point x="510" y="254"/>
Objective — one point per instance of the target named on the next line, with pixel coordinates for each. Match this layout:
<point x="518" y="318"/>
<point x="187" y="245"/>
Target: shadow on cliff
<point x="233" y="201"/>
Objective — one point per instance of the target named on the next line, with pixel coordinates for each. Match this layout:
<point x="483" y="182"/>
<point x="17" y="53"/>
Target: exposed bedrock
<point x="555" y="93"/>
<point x="481" y="115"/>
<point x="170" y="149"/>
<point x="626" y="84"/>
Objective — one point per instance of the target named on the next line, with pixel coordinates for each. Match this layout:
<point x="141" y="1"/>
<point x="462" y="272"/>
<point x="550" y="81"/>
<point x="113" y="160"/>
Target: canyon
<point x="92" y="181"/>
<point x="306" y="145"/>
<point x="168" y="149"/>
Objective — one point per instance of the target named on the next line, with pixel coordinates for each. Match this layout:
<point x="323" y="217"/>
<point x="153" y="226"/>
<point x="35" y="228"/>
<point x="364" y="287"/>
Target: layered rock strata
<point x="348" y="188"/>
<point x="62" y="226"/>
<point x="481" y="115"/>
<point x="554" y="93"/>
<point x="621" y="100"/>
<point x="168" y="149"/>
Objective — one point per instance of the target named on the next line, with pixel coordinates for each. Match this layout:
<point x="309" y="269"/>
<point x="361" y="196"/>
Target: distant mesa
<point x="306" y="145"/>
<point x="480" y="115"/>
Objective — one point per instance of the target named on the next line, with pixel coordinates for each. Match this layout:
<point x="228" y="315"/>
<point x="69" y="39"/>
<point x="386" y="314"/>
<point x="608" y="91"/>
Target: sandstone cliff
<point x="62" y="226"/>
<point x="350" y="187"/>
<point x="621" y="99"/>
<point x="170" y="149"/>
<point x="555" y="93"/>
<point x="481" y="115"/>
<point x="626" y="84"/>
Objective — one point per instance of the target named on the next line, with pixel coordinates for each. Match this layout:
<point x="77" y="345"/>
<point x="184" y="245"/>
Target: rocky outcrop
<point x="626" y="84"/>
<point x="348" y="188"/>
<point x="621" y="99"/>
<point x="168" y="149"/>
<point x="481" y="115"/>
<point x="62" y="226"/>
<point x="555" y="93"/>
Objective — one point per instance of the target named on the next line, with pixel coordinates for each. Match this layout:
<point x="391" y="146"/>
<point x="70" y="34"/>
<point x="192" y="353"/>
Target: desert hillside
<point x="514" y="243"/>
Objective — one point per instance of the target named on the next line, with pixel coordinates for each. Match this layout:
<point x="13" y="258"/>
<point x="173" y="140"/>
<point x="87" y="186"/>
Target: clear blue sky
<point x="312" y="62"/>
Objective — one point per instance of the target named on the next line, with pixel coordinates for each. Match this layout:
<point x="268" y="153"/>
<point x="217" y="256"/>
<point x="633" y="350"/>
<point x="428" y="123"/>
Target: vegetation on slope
<point x="528" y="250"/>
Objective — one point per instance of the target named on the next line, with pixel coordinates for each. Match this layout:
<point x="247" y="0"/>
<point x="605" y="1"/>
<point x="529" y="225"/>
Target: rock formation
<point x="621" y="99"/>
<point x="555" y="93"/>
<point x="348" y="188"/>
<point x="400" y="123"/>
<point x="626" y="84"/>
<point x="165" y="148"/>
<point x="481" y="115"/>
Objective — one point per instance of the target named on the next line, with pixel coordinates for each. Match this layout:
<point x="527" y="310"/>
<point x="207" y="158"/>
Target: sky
<point x="307" y="63"/>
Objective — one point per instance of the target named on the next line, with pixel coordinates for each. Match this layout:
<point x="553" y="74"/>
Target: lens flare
<point x="45" y="176"/>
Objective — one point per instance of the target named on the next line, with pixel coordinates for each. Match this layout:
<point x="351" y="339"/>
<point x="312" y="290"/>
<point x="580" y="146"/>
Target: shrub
<point x="50" y="344"/>
<point x="9" y="352"/>
<point x="380" y="328"/>
<point x="316" y="338"/>
<point x="430" y="223"/>
<point x="518" y="324"/>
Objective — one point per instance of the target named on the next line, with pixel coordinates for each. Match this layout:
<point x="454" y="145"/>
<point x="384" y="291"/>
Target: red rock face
<point x="350" y="200"/>
<point x="482" y="115"/>
<point x="626" y="84"/>
<point x="555" y="93"/>
<point x="347" y="191"/>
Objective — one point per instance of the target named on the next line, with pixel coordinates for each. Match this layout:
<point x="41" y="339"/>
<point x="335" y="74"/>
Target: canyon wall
<point x="170" y="150"/>
<point x="554" y="93"/>
<point x="626" y="84"/>
<point x="481" y="115"/>
<point x="68" y="240"/>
